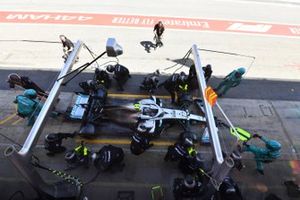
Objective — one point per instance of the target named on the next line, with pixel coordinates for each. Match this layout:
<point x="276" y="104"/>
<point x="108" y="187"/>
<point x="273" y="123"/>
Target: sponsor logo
<point x="259" y="28"/>
<point x="35" y="17"/>
<point x="295" y="30"/>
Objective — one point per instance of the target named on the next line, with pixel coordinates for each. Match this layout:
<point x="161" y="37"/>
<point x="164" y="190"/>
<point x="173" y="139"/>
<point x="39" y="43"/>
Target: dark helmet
<point x="229" y="190"/>
<point x="228" y="186"/>
<point x="30" y="93"/>
<point x="51" y="137"/>
<point x="135" y="146"/>
<point x="236" y="156"/>
<point x="13" y="79"/>
<point x="136" y="138"/>
<point x="208" y="66"/>
<point x="189" y="181"/>
<point x="100" y="74"/>
<point x="97" y="71"/>
<point x="110" y="68"/>
<point x="182" y="77"/>
<point x="62" y="37"/>
<point x="188" y="142"/>
<point x="91" y="83"/>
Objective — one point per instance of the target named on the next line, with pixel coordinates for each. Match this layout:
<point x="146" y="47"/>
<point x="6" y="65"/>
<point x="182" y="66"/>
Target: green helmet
<point x="241" y="70"/>
<point x="273" y="145"/>
<point x="30" y="93"/>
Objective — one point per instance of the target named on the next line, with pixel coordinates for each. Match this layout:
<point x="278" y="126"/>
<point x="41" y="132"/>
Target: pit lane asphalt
<point x="140" y="173"/>
<point x="248" y="89"/>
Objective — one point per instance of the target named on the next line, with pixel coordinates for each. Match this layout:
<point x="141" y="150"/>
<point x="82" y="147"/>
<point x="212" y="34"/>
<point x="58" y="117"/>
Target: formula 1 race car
<point x="152" y="115"/>
<point x="146" y="116"/>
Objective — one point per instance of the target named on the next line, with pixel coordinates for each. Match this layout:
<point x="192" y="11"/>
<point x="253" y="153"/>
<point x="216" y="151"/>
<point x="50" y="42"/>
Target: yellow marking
<point x="8" y="118"/>
<point x="114" y="95"/>
<point x="17" y="121"/>
<point x="121" y="141"/>
<point x="126" y="184"/>
<point x="163" y="143"/>
<point x="137" y="96"/>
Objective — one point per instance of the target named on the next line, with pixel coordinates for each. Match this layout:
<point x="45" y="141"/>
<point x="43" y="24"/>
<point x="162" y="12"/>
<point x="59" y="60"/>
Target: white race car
<point x="152" y="114"/>
<point x="145" y="116"/>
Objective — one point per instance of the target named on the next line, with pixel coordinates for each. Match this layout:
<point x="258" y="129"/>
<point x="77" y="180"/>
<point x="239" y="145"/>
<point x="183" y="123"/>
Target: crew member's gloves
<point x="256" y="136"/>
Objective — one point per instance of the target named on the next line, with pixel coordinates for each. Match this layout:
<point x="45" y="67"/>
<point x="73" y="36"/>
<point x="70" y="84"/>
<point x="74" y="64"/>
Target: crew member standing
<point x="102" y="77"/>
<point x="264" y="155"/>
<point x="139" y="144"/>
<point x="184" y="97"/>
<point x="158" y="31"/>
<point x="28" y="106"/>
<point x="68" y="46"/>
<point x="171" y="85"/>
<point x="207" y="72"/>
<point x="82" y="154"/>
<point x="192" y="77"/>
<point x="121" y="74"/>
<point x="231" y="80"/>
<point x="180" y="150"/>
<point x="150" y="82"/>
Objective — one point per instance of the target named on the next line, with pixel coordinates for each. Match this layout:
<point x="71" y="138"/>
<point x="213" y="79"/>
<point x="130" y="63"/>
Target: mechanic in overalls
<point x="150" y="82"/>
<point x="82" y="154"/>
<point x="231" y="80"/>
<point x="263" y="155"/>
<point x="207" y="72"/>
<point x="139" y="144"/>
<point x="228" y="190"/>
<point x="188" y="187"/>
<point x="28" y="106"/>
<point x="158" y="32"/>
<point x="170" y="85"/>
<point x="102" y="77"/>
<point x="121" y="74"/>
<point x="68" y="46"/>
<point x="193" y="162"/>
<point x="25" y="82"/>
<point x="179" y="150"/>
<point x="183" y="90"/>
<point x="192" y="77"/>
<point x="109" y="158"/>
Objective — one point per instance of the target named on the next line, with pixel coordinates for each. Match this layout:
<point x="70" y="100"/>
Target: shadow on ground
<point x="147" y="45"/>
<point x="183" y="61"/>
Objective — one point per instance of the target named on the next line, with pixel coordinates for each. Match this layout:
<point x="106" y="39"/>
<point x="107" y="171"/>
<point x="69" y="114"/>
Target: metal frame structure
<point x="211" y="125"/>
<point x="222" y="166"/>
<point x="22" y="160"/>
